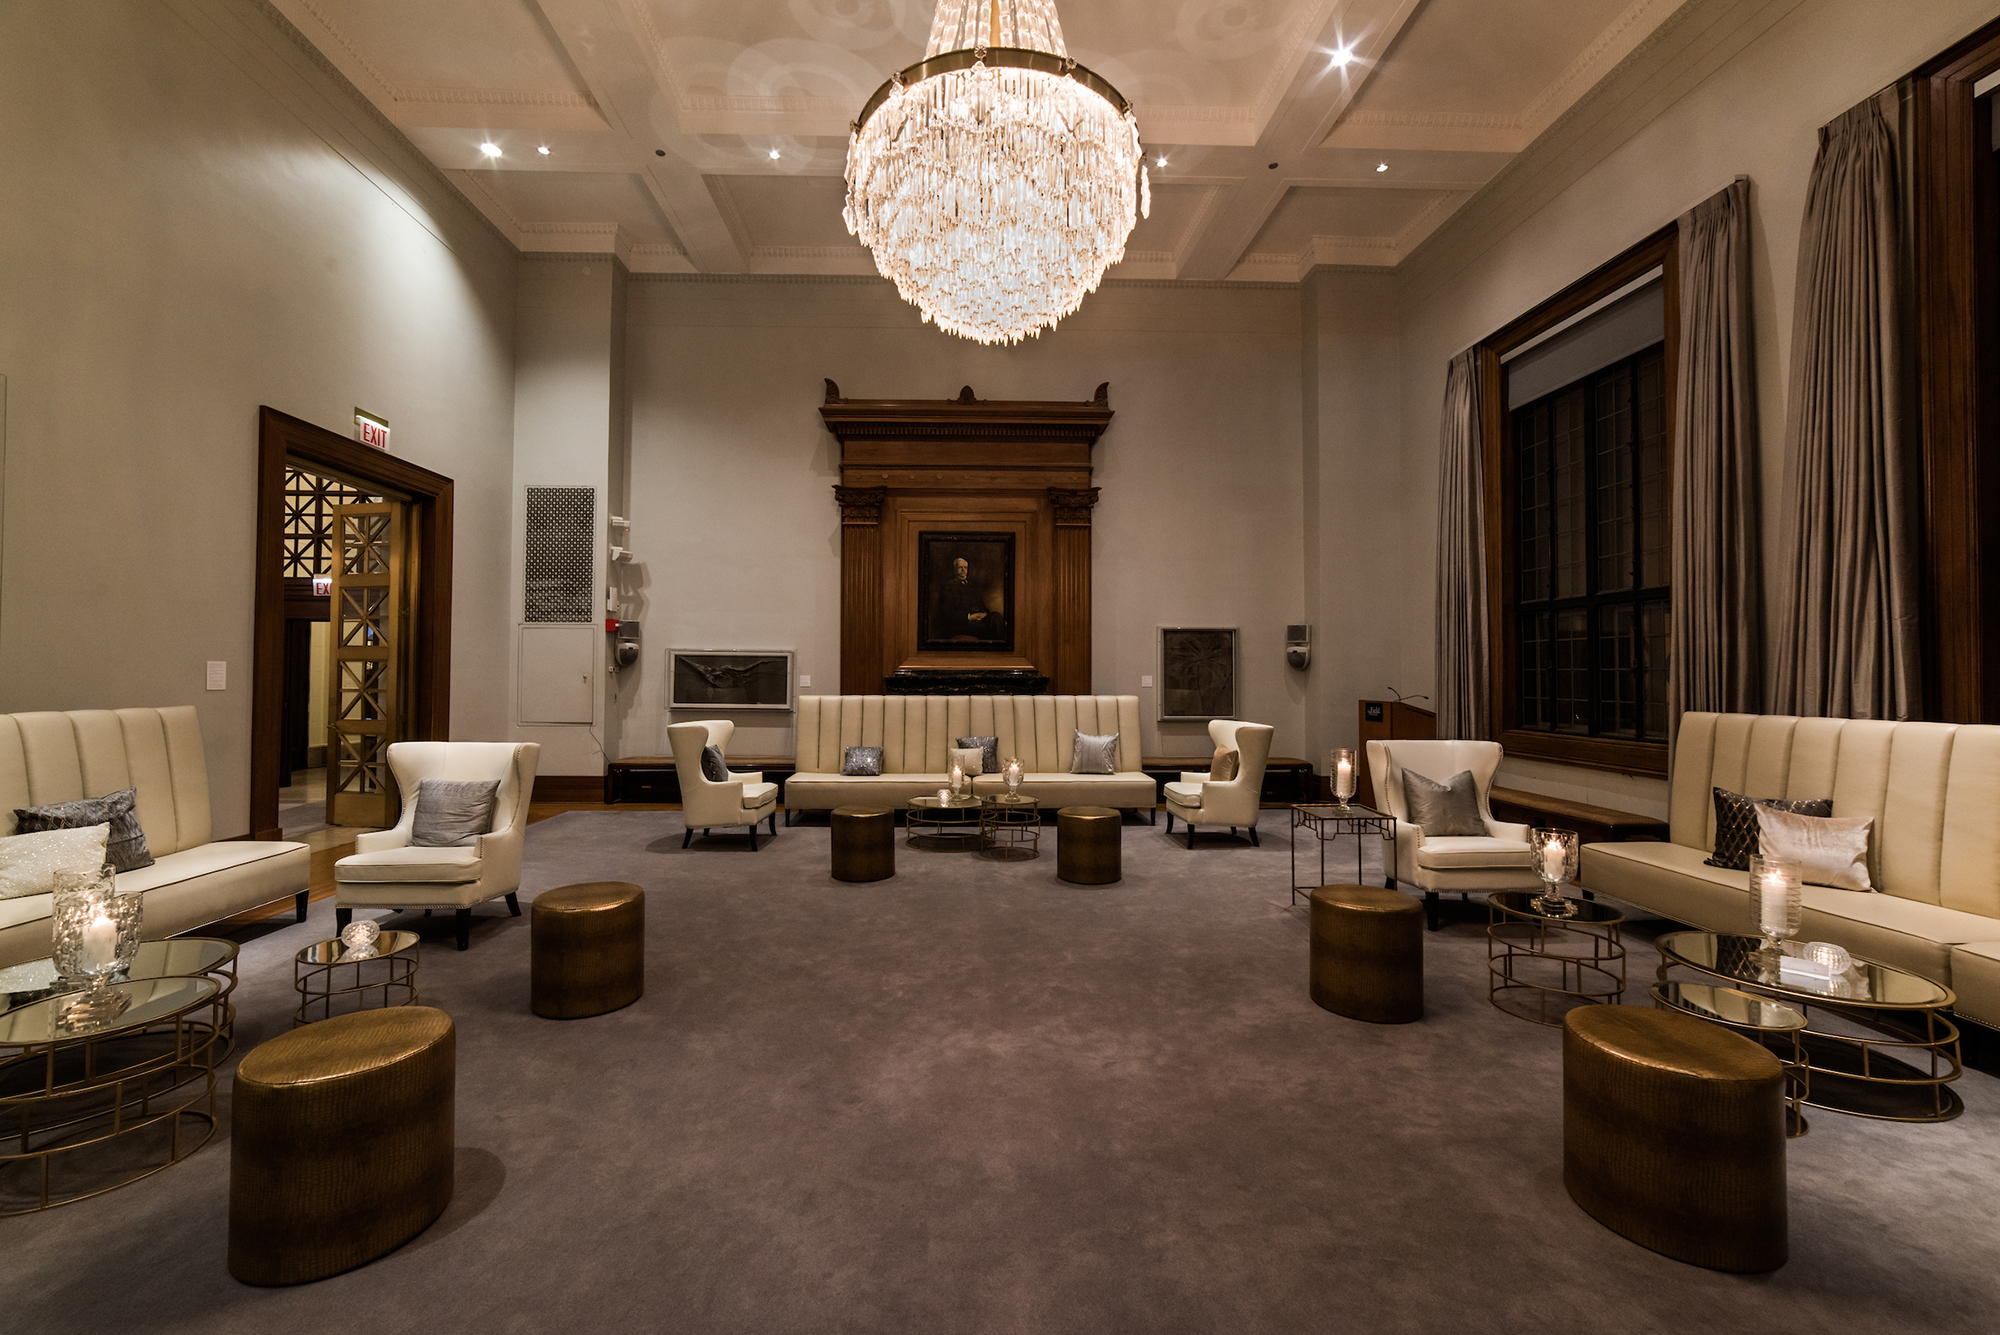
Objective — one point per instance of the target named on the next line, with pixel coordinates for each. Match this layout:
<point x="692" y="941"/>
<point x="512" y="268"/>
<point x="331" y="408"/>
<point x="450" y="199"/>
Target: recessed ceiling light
<point x="491" y="150"/>
<point x="542" y="149"/>
<point x="1160" y="161"/>
<point x="1381" y="166"/>
<point x="659" y="152"/>
<point x="774" y="153"/>
<point x="1342" y="57"/>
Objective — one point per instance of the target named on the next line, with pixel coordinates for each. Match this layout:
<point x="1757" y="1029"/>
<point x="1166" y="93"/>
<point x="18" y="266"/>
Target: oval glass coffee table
<point x="957" y="819"/>
<point x="1759" y="1019"/>
<point x="388" y="967"/>
<point x="181" y="957"/>
<point x="90" y="1087"/>
<point x="1903" y="1074"/>
<point x="1539" y="965"/>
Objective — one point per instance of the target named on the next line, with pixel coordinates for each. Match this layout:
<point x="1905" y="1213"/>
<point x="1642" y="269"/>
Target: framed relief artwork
<point x="1197" y="673"/>
<point x="729" y="679"/>
<point x="965" y="592"/>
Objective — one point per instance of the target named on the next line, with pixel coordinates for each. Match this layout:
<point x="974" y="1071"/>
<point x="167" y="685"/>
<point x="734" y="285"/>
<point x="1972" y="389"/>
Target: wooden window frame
<point x="1957" y="316"/>
<point x="1661" y="250"/>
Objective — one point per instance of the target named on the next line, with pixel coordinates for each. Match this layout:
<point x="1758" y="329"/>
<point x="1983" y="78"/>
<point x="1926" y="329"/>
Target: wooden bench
<point x="1593" y="824"/>
<point x="652" y="778"/>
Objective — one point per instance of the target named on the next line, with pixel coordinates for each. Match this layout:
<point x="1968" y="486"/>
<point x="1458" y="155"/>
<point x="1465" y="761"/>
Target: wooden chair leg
<point x="342" y="917"/>
<point x="299" y="905"/>
<point x="464" y="925"/>
<point x="514" y="902"/>
<point x="686" y="837"/>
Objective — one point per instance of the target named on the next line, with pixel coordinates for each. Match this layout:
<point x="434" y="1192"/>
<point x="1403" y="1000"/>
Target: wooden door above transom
<point x="1017" y="470"/>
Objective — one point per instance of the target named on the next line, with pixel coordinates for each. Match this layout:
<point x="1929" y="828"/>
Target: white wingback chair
<point x="745" y="799"/>
<point x="1235" y="803"/>
<point x="387" y="871"/>
<point x="1498" y="860"/>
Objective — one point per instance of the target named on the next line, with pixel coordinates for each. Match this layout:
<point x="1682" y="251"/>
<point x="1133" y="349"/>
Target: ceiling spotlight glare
<point x="491" y="150"/>
<point x="542" y="149"/>
<point x="1381" y="166"/>
<point x="774" y="155"/>
<point x="1159" y="162"/>
<point x="1341" y="58"/>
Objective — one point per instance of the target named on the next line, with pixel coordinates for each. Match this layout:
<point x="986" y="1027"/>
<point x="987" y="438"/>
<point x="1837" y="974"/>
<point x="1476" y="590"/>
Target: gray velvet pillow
<point x="1443" y="809"/>
<point x="990" y="748"/>
<point x="451" y="813"/>
<point x="1094" y="753"/>
<point x="124" y="850"/>
<point x="713" y="767"/>
<point x="861" y="761"/>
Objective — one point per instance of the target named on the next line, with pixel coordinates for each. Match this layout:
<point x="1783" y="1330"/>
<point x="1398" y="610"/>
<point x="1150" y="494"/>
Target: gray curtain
<point x="1463" y="672"/>
<point x="1717" y="643"/>
<point x="1847" y="643"/>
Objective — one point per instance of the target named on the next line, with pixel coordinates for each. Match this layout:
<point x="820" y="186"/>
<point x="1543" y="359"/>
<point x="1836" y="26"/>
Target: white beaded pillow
<point x="29" y="862"/>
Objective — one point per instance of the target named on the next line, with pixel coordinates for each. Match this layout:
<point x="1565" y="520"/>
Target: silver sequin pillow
<point x="451" y="813"/>
<point x="861" y="762"/>
<point x="29" y="862"/>
<point x="126" y="848"/>
<point x="1094" y="753"/>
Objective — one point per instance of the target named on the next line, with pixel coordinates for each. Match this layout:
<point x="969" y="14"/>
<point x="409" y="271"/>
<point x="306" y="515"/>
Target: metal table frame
<point x="1330" y="820"/>
<point x="1515" y="932"/>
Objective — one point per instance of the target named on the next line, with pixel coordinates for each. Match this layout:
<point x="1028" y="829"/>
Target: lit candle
<point x="100" y="943"/>
<point x="1774" y="903"/>
<point x="957" y="776"/>
<point x="944" y="797"/>
<point x="1343" y="780"/>
<point x="1013" y="775"/>
<point x="1554" y="859"/>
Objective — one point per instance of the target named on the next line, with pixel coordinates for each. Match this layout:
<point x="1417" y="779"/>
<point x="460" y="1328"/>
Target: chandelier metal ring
<point x="993" y="57"/>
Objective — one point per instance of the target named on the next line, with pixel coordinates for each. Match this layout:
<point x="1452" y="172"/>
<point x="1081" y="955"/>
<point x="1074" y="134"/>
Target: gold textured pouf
<point x="864" y="843"/>
<point x="1674" y="1135"/>
<point x="1367" y="953"/>
<point x="341" y="1143"/>
<point x="1090" y="845"/>
<point x="587" y="949"/>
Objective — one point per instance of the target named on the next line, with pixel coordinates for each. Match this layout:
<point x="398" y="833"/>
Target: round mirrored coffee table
<point x="1010" y="828"/>
<point x="338" y="978"/>
<point x="956" y="819"/>
<point x="1903" y="1073"/>
<point x="1539" y="966"/>
<point x="93" y="1087"/>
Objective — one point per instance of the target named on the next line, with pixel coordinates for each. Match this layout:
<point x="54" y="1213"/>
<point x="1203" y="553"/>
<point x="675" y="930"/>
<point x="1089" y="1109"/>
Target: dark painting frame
<point x="943" y="623"/>
<point x="745" y="679"/>
<point x="1197" y="673"/>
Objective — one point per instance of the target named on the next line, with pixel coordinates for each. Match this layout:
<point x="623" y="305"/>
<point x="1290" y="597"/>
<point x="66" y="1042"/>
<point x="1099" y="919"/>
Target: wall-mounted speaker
<point x="1299" y="646"/>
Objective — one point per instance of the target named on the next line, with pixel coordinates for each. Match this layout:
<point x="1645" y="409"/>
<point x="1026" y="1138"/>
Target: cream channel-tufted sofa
<point x="1933" y="790"/>
<point x="48" y="758"/>
<point x="916" y="733"/>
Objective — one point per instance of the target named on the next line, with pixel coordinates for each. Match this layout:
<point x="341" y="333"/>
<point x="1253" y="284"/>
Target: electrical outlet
<point x="805" y="679"/>
<point x="1145" y="681"/>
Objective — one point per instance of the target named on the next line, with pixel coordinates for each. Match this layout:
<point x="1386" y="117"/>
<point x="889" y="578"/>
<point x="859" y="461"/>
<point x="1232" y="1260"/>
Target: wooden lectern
<point x="1388" y="720"/>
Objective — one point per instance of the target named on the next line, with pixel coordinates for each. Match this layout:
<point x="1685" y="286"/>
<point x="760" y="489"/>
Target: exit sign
<point x="371" y="430"/>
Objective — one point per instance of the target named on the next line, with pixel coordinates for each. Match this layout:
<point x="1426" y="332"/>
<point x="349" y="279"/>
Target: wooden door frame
<point x="286" y="440"/>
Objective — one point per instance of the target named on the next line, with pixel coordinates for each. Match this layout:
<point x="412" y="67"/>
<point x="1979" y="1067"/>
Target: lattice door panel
<point x="369" y="650"/>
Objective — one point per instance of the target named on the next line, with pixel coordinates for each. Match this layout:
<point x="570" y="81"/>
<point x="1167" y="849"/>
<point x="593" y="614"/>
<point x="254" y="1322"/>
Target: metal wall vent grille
<point x="562" y="527"/>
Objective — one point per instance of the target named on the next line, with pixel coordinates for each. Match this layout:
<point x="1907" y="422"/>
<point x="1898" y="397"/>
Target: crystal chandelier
<point x="996" y="179"/>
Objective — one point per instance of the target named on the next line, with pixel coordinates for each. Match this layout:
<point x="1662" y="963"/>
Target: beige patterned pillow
<point x="1223" y="768"/>
<point x="29" y="862"/>
<point x="971" y="759"/>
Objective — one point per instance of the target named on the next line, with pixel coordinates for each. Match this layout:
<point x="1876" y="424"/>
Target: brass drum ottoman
<point x="587" y="949"/>
<point x="1367" y="953"/>
<point x="341" y="1143"/>
<point x="1090" y="845"/>
<point x="864" y="843"/>
<point x="1674" y="1135"/>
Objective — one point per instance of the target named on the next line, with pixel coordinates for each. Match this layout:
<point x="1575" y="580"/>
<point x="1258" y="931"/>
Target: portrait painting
<point x="727" y="679"/>
<point x="1197" y="673"/>
<point x="965" y="592"/>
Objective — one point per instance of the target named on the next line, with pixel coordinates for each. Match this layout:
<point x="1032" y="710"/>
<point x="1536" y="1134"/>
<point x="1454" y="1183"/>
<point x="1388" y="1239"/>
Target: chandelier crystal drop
<point x="997" y="179"/>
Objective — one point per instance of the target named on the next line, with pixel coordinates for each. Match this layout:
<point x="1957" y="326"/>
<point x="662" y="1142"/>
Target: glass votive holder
<point x="1341" y="774"/>
<point x="1553" y="855"/>
<point x="1776" y="896"/>
<point x="95" y="929"/>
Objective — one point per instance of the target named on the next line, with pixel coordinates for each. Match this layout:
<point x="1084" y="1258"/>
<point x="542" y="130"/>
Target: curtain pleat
<point x="1847" y="645"/>
<point x="1463" y="672"/>
<point x="1715" y="658"/>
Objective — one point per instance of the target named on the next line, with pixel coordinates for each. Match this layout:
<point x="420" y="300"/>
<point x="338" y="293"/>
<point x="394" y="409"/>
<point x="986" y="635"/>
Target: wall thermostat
<point x="1298" y="646"/>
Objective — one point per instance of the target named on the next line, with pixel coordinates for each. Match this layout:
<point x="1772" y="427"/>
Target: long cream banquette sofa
<point x="916" y="733"/>
<point x="51" y="757"/>
<point x="1933" y="790"/>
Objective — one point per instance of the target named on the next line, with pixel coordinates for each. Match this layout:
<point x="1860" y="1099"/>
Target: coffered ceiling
<point x="711" y="135"/>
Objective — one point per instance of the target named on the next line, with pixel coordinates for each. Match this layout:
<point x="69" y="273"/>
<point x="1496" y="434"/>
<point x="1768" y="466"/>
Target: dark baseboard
<point x="569" y="788"/>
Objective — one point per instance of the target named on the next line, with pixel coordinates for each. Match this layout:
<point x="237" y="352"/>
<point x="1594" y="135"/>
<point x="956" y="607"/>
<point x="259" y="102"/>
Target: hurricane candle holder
<point x="95" y="929"/>
<point x="1011" y="772"/>
<point x="956" y="777"/>
<point x="1776" y="888"/>
<point x="1554" y="853"/>
<point x="1340" y="773"/>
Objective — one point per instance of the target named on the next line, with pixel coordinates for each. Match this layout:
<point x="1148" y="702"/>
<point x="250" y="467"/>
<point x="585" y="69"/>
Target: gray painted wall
<point x="197" y="219"/>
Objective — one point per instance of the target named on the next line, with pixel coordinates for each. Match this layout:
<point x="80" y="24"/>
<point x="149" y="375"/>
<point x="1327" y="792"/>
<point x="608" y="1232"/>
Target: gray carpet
<point x="972" y="1098"/>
